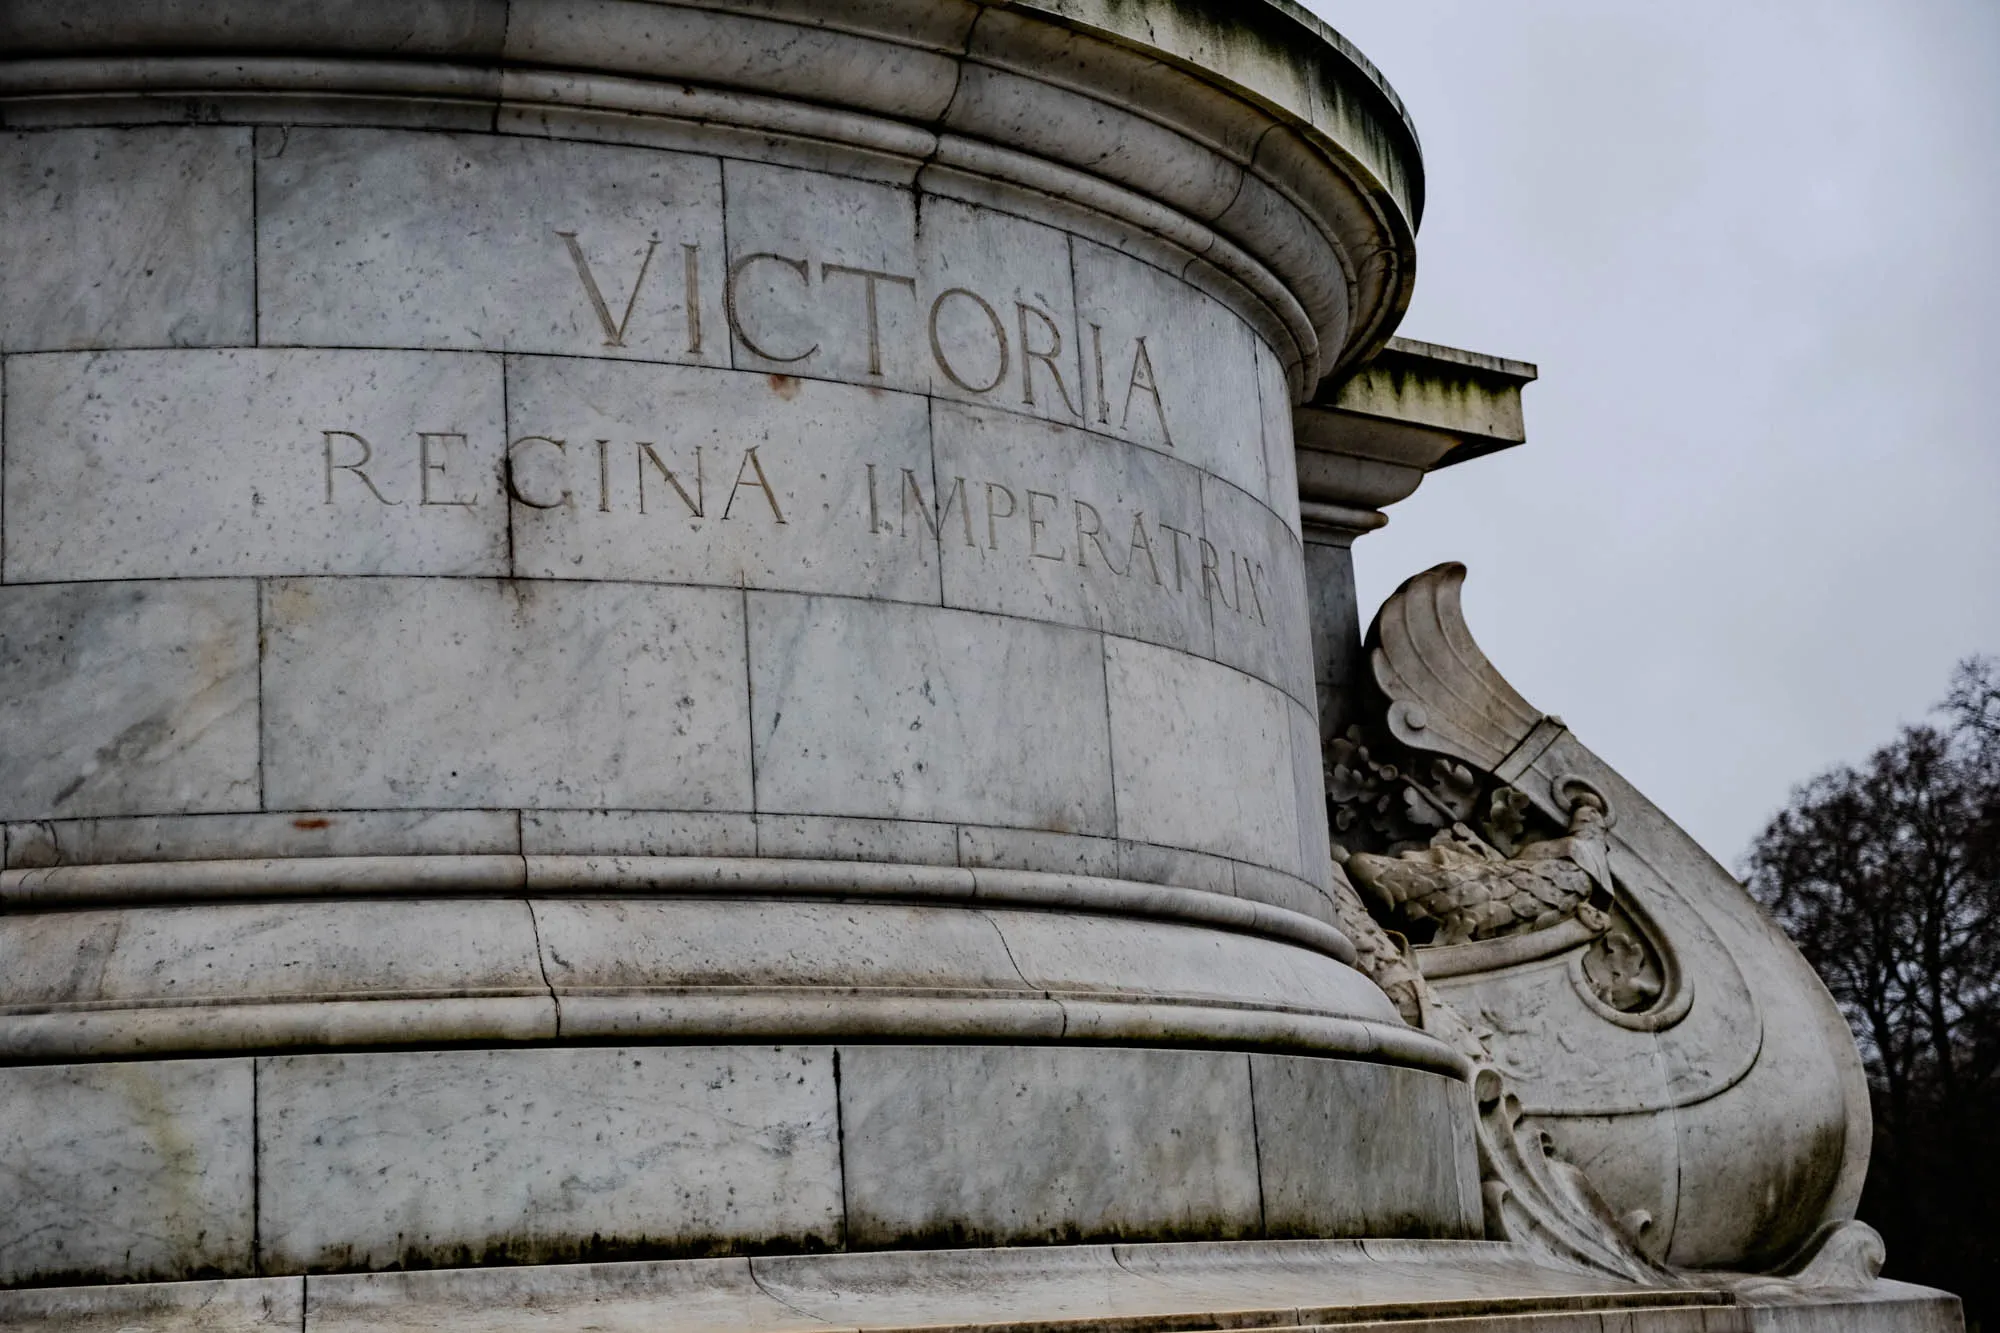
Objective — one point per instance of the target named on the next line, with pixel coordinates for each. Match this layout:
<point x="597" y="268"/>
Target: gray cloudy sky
<point x="1754" y="248"/>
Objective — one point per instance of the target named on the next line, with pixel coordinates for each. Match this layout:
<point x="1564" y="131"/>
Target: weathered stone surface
<point x="910" y="78"/>
<point x="944" y="1145"/>
<point x="381" y="692"/>
<point x="249" y="953"/>
<point x="914" y="713"/>
<point x="448" y="1156"/>
<point x="1082" y="956"/>
<point x="1175" y="865"/>
<point x="818" y="837"/>
<point x="1000" y="308"/>
<point x="609" y="946"/>
<point x="853" y="311"/>
<point x="1192" y="390"/>
<point x="211" y="1305"/>
<point x="1031" y="849"/>
<point x="696" y="1295"/>
<point x="126" y="238"/>
<point x="128" y="698"/>
<point x="1309" y="782"/>
<point x="362" y="241"/>
<point x="1261" y="884"/>
<point x="1247" y="1283"/>
<point x="142" y="1169"/>
<point x="197" y="464"/>
<point x="1051" y="523"/>
<point x="1253" y="580"/>
<point x="143" y="838"/>
<point x="1281" y="463"/>
<point x="688" y="475"/>
<point x="637" y="833"/>
<point x="1203" y="756"/>
<point x="1408" y="1134"/>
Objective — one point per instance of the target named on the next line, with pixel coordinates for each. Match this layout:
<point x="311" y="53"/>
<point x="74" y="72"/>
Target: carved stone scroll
<point x="1628" y="1006"/>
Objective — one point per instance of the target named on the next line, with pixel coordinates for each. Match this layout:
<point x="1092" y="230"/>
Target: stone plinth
<point x="648" y="630"/>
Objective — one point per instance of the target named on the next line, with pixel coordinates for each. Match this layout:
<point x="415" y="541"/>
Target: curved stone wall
<point x="786" y="510"/>
<point x="511" y="508"/>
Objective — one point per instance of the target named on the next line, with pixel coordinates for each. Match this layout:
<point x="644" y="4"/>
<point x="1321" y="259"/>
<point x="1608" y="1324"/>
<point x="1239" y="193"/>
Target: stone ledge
<point x="1446" y="1286"/>
<point x="1415" y="408"/>
<point x="166" y="882"/>
<point x="244" y="956"/>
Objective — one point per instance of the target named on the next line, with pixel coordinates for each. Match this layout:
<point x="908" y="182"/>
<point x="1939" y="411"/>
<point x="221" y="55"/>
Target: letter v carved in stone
<point x="614" y="334"/>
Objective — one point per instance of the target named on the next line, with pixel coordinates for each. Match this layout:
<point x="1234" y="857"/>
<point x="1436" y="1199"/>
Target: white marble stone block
<point x="1281" y="460"/>
<point x="1053" y="523"/>
<point x="1192" y="389"/>
<point x="825" y="838"/>
<point x="688" y="1295"/>
<point x="1261" y="884"/>
<point x="1402" y="1139"/>
<point x="379" y="238"/>
<point x="1017" y="108"/>
<point x="248" y="953"/>
<point x="444" y="693"/>
<point x="126" y="238"/>
<point x="1257" y="592"/>
<point x="536" y="1155"/>
<point x="1079" y="956"/>
<point x="610" y="946"/>
<point x="909" y="78"/>
<point x="1309" y="781"/>
<point x="960" y="1145"/>
<point x="907" y="712"/>
<point x="1155" y="864"/>
<point x="1031" y="849"/>
<point x="128" y="698"/>
<point x="142" y="1169"/>
<point x="194" y="464"/>
<point x="289" y="833"/>
<point x="853" y="312"/>
<point x="680" y="474"/>
<point x="209" y="1305"/>
<point x="637" y="833"/>
<point x="999" y="304"/>
<point x="1203" y="757"/>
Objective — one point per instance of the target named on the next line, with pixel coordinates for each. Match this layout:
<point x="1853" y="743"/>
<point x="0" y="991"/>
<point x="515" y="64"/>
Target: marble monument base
<point x="1475" y="1286"/>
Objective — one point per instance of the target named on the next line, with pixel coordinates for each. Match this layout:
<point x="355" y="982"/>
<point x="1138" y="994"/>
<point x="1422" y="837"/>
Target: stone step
<point x="1279" y="1286"/>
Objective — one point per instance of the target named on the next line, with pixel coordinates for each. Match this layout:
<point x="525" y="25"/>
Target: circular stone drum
<point x="643" y="628"/>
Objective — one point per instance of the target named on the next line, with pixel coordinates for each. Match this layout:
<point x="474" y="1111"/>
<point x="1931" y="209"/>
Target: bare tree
<point x="1887" y="875"/>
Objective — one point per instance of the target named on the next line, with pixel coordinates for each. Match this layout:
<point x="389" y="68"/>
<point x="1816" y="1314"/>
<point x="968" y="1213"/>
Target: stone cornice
<point x="1270" y="158"/>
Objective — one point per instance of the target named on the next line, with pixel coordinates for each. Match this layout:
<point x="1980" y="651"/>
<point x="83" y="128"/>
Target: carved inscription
<point x="432" y="473"/>
<point x="614" y="330"/>
<point x="793" y="499"/>
<point x="543" y="472"/>
<point x="998" y="517"/>
<point x="1011" y="350"/>
<point x="1014" y="518"/>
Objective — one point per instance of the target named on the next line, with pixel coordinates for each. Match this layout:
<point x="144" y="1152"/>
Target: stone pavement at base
<point x="1477" y="1287"/>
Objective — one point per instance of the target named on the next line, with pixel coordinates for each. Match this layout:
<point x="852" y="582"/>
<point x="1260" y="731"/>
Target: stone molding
<point x="161" y="883"/>
<point x="1248" y="139"/>
<point x="1413" y="409"/>
<point x="1085" y="959"/>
